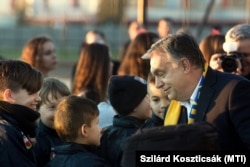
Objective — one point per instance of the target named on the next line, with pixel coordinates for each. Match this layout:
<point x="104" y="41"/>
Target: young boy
<point x="128" y="96"/>
<point x="77" y="123"/>
<point x="19" y="86"/>
<point x="51" y="93"/>
<point x="158" y="102"/>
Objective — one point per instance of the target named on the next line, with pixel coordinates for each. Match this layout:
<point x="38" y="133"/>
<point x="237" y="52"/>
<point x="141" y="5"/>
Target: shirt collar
<point x="187" y="104"/>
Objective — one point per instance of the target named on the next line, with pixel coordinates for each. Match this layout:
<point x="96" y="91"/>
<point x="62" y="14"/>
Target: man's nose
<point x="158" y="82"/>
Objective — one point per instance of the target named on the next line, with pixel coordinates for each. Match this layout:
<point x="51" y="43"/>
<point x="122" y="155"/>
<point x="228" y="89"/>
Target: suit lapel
<point x="207" y="92"/>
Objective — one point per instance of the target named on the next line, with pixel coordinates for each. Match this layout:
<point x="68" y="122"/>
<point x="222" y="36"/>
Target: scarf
<point x="174" y="109"/>
<point x="24" y="117"/>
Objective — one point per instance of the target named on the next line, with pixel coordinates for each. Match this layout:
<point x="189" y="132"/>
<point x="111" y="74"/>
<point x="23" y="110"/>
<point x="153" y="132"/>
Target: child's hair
<point x="151" y="78"/>
<point x="16" y="75"/>
<point x="71" y="114"/>
<point x="55" y="88"/>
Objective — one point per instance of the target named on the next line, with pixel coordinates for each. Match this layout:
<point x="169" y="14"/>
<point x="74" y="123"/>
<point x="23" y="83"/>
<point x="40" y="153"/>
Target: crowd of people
<point x="164" y="78"/>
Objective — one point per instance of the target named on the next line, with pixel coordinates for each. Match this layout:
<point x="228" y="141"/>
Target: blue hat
<point x="126" y="93"/>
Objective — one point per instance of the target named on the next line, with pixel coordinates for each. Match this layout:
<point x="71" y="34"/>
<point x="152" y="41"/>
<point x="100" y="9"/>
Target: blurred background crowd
<point x="133" y="61"/>
<point x="68" y="21"/>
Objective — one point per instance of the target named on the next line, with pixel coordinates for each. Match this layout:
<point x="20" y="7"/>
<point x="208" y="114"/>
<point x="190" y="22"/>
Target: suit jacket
<point x="225" y="103"/>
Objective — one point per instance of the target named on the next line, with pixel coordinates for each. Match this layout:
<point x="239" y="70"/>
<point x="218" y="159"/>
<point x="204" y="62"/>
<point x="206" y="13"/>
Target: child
<point x="51" y="93"/>
<point x="158" y="102"/>
<point x="19" y="86"/>
<point x="77" y="123"/>
<point x="128" y="96"/>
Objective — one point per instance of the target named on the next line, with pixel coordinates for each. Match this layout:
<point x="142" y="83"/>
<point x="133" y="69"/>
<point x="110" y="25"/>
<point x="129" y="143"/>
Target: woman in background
<point x="39" y="52"/>
<point x="210" y="45"/>
<point x="132" y="63"/>
<point x="93" y="71"/>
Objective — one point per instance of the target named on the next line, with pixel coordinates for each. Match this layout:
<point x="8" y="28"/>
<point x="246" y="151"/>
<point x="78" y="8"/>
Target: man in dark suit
<point x="221" y="99"/>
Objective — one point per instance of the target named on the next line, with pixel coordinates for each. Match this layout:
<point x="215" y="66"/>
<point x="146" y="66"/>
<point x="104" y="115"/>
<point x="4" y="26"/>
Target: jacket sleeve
<point x="240" y="111"/>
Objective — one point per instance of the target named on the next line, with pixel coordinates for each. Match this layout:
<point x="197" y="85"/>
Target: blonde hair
<point x="71" y="114"/>
<point x="55" y="87"/>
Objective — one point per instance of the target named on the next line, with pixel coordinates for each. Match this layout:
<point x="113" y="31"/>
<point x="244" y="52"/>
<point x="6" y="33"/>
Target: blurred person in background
<point x="215" y="30"/>
<point x="95" y="36"/>
<point x="237" y="46"/>
<point x="93" y="70"/>
<point x="165" y="26"/>
<point x="132" y="63"/>
<point x="211" y="45"/>
<point x="40" y="53"/>
<point x="92" y="36"/>
<point x="134" y="28"/>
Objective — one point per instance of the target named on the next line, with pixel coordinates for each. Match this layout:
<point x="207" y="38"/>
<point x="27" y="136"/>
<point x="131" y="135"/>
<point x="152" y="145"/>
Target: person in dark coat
<point x="51" y="93"/>
<point x="221" y="99"/>
<point x="128" y="97"/>
<point x="77" y="123"/>
<point x="74" y="155"/>
<point x="19" y="86"/>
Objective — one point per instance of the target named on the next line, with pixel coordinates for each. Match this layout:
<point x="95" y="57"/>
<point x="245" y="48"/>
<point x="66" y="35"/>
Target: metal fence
<point x="68" y="38"/>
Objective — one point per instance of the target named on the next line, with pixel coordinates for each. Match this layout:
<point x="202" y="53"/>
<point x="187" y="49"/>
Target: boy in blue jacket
<point x="77" y="123"/>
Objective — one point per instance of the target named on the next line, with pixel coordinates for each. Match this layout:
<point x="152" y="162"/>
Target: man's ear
<point x="7" y="96"/>
<point x="84" y="130"/>
<point x="185" y="65"/>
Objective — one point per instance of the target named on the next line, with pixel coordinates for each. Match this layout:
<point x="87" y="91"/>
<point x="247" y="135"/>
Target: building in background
<point x="85" y="11"/>
<point x="67" y="21"/>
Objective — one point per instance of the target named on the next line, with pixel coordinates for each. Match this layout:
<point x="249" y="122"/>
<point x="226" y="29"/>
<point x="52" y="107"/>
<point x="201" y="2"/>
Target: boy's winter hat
<point x="126" y="93"/>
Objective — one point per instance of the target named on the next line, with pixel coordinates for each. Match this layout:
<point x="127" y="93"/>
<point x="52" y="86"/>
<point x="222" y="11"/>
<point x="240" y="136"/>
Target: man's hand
<point x="215" y="62"/>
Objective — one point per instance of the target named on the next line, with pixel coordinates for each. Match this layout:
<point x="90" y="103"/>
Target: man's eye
<point x="155" y="100"/>
<point x="161" y="74"/>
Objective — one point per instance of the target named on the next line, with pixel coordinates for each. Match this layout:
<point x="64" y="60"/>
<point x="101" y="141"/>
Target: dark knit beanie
<point x="126" y="93"/>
